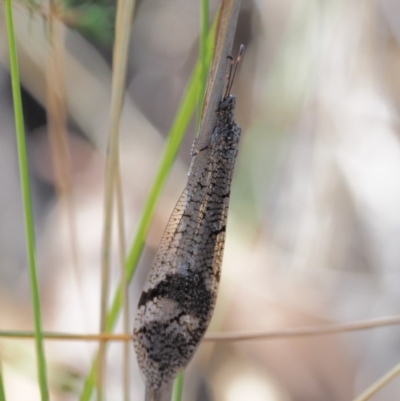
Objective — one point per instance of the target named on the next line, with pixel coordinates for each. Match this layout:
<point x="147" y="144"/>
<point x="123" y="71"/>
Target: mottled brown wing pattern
<point x="178" y="299"/>
<point x="171" y="240"/>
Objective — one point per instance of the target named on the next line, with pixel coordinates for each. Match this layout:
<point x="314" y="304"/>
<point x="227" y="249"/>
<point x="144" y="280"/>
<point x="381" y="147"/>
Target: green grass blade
<point x="26" y="200"/>
<point x="2" y="392"/>
<point x="178" y="388"/>
<point x="179" y="125"/>
<point x="203" y="55"/>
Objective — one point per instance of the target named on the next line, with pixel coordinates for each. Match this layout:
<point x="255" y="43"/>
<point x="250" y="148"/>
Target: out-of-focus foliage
<point x="314" y="224"/>
<point x="94" y="20"/>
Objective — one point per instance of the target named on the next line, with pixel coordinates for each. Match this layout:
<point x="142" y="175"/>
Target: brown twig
<point x="309" y="331"/>
<point x="379" y="384"/>
<point x="224" y="36"/>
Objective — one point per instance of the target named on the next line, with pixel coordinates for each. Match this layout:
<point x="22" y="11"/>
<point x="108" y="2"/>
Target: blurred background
<point x="314" y="225"/>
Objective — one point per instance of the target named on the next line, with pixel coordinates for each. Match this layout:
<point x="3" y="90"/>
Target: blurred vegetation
<point x="314" y="224"/>
<point x="93" y="19"/>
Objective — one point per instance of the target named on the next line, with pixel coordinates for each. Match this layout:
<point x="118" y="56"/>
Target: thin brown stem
<point x="226" y="28"/>
<point x="310" y="331"/>
<point x="379" y="384"/>
<point x="120" y="56"/>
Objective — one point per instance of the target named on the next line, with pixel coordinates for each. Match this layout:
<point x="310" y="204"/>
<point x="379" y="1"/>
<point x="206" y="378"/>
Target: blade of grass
<point x="26" y="201"/>
<point x="202" y="54"/>
<point x="178" y="388"/>
<point x="124" y="10"/>
<point x="175" y="136"/>
<point x="126" y="379"/>
<point x="124" y="17"/>
<point x="56" y="114"/>
<point x="379" y="384"/>
<point x="288" y="333"/>
<point x="2" y="392"/>
<point x="225" y="33"/>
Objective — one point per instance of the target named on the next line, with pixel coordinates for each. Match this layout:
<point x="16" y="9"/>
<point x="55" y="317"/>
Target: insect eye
<point x="224" y="105"/>
<point x="228" y="102"/>
<point x="230" y="138"/>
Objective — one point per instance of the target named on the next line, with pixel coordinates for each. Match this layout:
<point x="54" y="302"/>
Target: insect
<point x="179" y="296"/>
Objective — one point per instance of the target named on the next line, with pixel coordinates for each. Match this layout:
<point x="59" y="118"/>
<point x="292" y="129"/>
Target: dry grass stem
<point x="227" y="336"/>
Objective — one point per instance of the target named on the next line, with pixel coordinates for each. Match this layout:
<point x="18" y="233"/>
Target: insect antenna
<point x="232" y="71"/>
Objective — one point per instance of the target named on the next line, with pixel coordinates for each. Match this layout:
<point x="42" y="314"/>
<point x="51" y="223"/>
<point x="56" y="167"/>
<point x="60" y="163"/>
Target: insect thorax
<point x="227" y="134"/>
